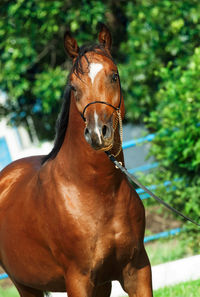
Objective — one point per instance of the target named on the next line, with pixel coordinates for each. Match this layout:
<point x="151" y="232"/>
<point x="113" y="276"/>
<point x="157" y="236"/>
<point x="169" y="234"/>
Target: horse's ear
<point x="70" y="45"/>
<point x="104" y="36"/>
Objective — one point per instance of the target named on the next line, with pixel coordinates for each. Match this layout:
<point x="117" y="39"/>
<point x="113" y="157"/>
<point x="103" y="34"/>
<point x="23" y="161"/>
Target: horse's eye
<point x="76" y="93"/>
<point x="114" y="77"/>
<point x="73" y="88"/>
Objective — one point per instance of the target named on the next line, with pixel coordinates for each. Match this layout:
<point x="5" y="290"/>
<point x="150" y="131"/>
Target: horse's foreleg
<point x="28" y="292"/>
<point x="78" y="284"/>
<point x="102" y="290"/>
<point x="136" y="276"/>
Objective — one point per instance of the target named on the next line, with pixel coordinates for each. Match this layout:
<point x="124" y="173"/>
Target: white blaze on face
<point x="94" y="69"/>
<point x="96" y="129"/>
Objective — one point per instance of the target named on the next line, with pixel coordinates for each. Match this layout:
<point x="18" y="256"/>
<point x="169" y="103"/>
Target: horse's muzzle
<point x="99" y="137"/>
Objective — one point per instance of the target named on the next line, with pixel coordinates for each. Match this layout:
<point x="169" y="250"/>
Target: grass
<point x="188" y="289"/>
<point x="10" y="292"/>
<point x="170" y="249"/>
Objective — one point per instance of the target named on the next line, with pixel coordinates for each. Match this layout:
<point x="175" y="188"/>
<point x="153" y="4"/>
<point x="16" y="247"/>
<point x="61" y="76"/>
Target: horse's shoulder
<point x="19" y="168"/>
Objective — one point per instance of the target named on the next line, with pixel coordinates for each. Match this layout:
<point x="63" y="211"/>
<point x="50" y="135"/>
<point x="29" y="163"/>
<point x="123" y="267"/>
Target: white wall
<point x="14" y="139"/>
<point x="19" y="143"/>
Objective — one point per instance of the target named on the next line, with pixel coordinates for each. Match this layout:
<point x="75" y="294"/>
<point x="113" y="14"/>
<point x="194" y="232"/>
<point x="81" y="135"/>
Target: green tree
<point x="147" y="35"/>
<point x="157" y="32"/>
<point x="34" y="67"/>
<point x="176" y="146"/>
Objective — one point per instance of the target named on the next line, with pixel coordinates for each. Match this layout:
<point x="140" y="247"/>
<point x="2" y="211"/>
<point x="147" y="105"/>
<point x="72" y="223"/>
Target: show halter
<point x="118" y="119"/>
<point x="103" y="102"/>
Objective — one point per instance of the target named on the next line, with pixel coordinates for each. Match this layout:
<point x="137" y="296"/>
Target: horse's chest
<point x="125" y="243"/>
<point x="115" y="249"/>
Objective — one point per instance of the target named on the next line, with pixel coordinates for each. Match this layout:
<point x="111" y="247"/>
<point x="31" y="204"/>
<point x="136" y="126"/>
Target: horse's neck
<point x="77" y="160"/>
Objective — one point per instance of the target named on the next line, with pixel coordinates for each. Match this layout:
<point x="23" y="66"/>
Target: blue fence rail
<point x="3" y="276"/>
<point x="143" y="195"/>
<point x="134" y="142"/>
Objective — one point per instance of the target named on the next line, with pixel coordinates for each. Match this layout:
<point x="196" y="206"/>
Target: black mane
<point x="63" y="118"/>
<point x="61" y="125"/>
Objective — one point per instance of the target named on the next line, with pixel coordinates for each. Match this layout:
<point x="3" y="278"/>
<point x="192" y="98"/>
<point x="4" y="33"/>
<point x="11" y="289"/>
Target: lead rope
<point x="137" y="182"/>
<point x="118" y="120"/>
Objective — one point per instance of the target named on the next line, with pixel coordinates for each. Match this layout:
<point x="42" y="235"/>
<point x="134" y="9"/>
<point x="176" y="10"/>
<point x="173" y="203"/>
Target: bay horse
<point x="70" y="221"/>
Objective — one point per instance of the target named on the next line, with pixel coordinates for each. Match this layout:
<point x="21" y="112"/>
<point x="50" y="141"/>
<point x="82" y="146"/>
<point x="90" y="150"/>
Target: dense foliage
<point x="157" y="32"/>
<point x="147" y="35"/>
<point x="176" y="146"/>
<point x="34" y="66"/>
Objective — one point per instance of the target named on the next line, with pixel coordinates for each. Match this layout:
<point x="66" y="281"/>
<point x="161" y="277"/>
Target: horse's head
<point x="96" y="88"/>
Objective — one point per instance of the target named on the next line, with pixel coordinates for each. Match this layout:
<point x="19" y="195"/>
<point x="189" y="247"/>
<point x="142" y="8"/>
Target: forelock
<point x="77" y="68"/>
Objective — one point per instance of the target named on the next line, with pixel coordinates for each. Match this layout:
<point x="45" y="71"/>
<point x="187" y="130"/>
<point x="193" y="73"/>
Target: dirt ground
<point x="158" y="222"/>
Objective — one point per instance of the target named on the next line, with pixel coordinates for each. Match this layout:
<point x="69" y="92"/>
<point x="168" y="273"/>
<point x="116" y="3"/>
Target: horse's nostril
<point x="104" y="130"/>
<point x="86" y="131"/>
<point x="87" y="135"/>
